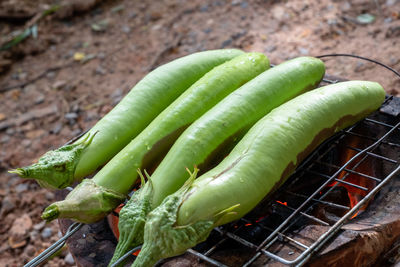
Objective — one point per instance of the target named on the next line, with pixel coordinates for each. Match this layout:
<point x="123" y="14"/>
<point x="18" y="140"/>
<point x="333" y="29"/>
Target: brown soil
<point x="47" y="97"/>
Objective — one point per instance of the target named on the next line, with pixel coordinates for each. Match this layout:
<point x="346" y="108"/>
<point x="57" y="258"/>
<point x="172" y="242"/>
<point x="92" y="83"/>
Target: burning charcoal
<point x="213" y="238"/>
<point x="338" y="195"/>
<point x="253" y="233"/>
<point x="329" y="213"/>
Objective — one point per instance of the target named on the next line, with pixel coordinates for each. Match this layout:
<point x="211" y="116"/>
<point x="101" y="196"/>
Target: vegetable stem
<point x="87" y="203"/>
<point x="50" y="213"/>
<point x="56" y="169"/>
<point x="18" y="171"/>
<point x="132" y="227"/>
<point x="146" y="100"/>
<point x="161" y="229"/>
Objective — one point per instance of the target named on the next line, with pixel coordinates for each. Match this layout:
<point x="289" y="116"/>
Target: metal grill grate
<point x="282" y="233"/>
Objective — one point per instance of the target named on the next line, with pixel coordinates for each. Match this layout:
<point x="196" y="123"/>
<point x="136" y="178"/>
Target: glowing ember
<point x="136" y="253"/>
<point x="259" y="219"/>
<point x="283" y="203"/>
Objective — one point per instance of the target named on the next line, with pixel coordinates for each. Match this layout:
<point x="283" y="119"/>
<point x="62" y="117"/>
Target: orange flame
<point x="355" y="194"/>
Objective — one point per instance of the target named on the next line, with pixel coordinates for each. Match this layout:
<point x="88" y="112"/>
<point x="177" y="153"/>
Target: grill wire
<point x="281" y="234"/>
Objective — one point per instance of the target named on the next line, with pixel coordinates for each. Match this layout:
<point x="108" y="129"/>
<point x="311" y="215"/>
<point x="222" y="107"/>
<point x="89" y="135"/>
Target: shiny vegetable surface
<point x="61" y="167"/>
<point x="261" y="161"/>
<point x="87" y="202"/>
<point x="214" y="133"/>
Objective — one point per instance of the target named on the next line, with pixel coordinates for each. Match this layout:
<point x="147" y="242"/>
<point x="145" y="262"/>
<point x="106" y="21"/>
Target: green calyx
<point x="162" y="237"/>
<point x="56" y="168"/>
<point x="132" y="218"/>
<point x="87" y="203"/>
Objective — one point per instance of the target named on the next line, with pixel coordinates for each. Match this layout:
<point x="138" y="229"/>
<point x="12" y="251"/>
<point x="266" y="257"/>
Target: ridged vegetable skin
<point x="61" y="167"/>
<point x="86" y="203"/>
<point x="263" y="159"/>
<point x="217" y="130"/>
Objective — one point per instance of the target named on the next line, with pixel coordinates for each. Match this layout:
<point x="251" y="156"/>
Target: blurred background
<point x="64" y="64"/>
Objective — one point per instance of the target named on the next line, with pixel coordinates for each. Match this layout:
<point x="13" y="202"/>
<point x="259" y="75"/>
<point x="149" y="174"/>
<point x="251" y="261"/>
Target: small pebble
<point x="226" y="43"/>
<point x="270" y="48"/>
<point x="132" y="15"/>
<point x="75" y="108"/>
<point x="60" y="84"/>
<point x="5" y="139"/>
<point x="46" y="233"/>
<point x="39" y="226"/>
<point x="100" y="70"/>
<point x="332" y="21"/>
<point x="57" y="128"/>
<point x="51" y="74"/>
<point x="49" y="196"/>
<point x="236" y="2"/>
<point x="387" y="20"/>
<point x="21" y="188"/>
<point x="30" y="250"/>
<point x="345" y="6"/>
<point x="394" y="60"/>
<point x="13" y="181"/>
<point x="359" y="67"/>
<point x="6" y="206"/>
<point x="391" y="2"/>
<point x="71" y="116"/>
<point x="101" y="55"/>
<point x="23" y="75"/>
<point x="30" y="87"/>
<point x="69" y="259"/>
<point x="26" y="142"/>
<point x="39" y="99"/>
<point x="10" y="131"/>
<point x="303" y="51"/>
<point x="76" y="132"/>
<point x="33" y="235"/>
<point x="204" y="8"/>
<point x="15" y="76"/>
<point x="126" y="29"/>
<point x="91" y="115"/>
<point x="117" y="95"/>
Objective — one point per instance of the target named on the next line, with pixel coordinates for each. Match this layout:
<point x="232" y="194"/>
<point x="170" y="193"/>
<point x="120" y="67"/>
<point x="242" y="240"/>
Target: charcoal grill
<point x="273" y="225"/>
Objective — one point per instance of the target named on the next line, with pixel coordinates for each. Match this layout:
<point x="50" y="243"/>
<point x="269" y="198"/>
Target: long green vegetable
<point x="217" y="129"/>
<point x="61" y="167"/>
<point x="94" y="198"/>
<point x="263" y="159"/>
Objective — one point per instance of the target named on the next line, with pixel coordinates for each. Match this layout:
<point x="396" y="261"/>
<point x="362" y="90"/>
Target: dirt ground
<point x="88" y="54"/>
